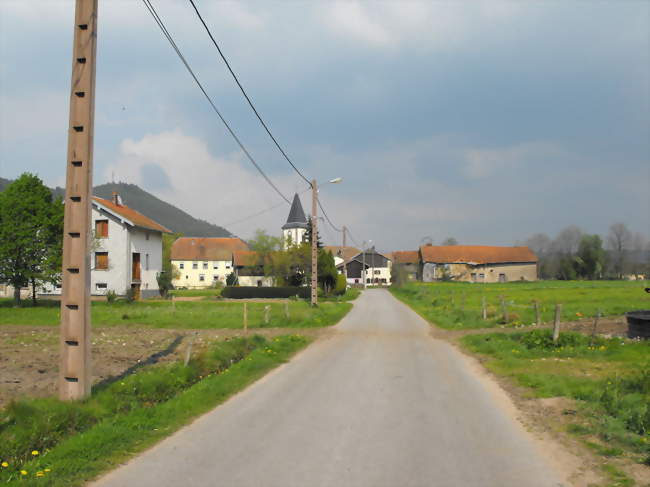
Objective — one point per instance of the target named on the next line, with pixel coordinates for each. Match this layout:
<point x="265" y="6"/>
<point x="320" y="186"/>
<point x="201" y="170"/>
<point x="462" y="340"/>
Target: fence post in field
<point x="556" y="323"/>
<point x="484" y="305"/>
<point x="286" y="309"/>
<point x="245" y="318"/>
<point x="188" y="351"/>
<point x="267" y="312"/>
<point x="538" y="320"/>
<point x="595" y="327"/>
<point x="504" y="310"/>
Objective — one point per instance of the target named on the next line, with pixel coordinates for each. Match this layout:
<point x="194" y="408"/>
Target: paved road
<point x="379" y="403"/>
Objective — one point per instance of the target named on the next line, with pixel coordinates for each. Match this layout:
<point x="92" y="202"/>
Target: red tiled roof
<point x="207" y="249"/>
<point x="406" y="257"/>
<point x="479" y="254"/>
<point x="345" y="253"/>
<point x="245" y="258"/>
<point x="135" y="217"/>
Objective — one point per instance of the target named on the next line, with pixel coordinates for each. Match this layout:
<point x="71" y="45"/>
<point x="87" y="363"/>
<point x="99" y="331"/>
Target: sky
<point x="486" y="121"/>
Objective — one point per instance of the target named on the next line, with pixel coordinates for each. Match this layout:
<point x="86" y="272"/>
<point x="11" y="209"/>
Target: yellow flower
<point x="47" y="470"/>
<point x="39" y="474"/>
<point x="23" y="472"/>
<point x="34" y="452"/>
<point x="4" y="464"/>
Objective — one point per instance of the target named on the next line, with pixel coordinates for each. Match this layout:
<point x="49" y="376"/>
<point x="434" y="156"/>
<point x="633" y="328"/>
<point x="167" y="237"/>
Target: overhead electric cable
<point x="249" y="217"/>
<point x="327" y="217"/>
<point x="268" y="131"/>
<point x="166" y="33"/>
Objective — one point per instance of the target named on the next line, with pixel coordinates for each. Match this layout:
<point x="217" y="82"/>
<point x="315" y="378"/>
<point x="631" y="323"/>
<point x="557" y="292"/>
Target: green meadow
<point x="459" y="305"/>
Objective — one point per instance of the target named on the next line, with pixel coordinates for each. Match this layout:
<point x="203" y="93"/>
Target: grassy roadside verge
<point x="81" y="440"/>
<point x="187" y="314"/>
<point x="458" y="306"/>
<point x="607" y="379"/>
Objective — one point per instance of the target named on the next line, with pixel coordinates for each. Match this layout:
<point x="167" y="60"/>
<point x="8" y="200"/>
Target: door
<point x="136" y="291"/>
<point x="135" y="272"/>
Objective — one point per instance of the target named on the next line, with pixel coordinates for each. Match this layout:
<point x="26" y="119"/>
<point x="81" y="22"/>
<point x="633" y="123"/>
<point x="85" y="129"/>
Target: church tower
<point x="293" y="232"/>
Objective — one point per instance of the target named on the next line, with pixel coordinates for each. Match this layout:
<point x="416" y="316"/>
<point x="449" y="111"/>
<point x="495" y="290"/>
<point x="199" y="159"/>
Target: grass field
<point x="183" y="314"/>
<point x="459" y="305"/>
<point x="55" y="443"/>
<point x="193" y="293"/>
<point x="608" y="377"/>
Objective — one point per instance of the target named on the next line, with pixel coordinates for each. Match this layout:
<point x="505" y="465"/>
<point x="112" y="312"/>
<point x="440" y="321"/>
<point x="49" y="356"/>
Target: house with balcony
<point x="126" y="250"/>
<point x="203" y="262"/>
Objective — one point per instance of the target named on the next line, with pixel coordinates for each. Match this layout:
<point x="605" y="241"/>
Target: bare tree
<point x="568" y="240"/>
<point x="619" y="241"/>
<point x="542" y="246"/>
<point x="450" y="241"/>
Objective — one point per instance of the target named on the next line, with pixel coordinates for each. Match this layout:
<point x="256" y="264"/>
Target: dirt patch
<point x="29" y="356"/>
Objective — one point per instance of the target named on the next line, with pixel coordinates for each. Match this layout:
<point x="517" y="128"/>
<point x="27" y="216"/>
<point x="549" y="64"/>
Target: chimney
<point x="115" y="198"/>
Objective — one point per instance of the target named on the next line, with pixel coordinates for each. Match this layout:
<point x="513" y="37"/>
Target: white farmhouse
<point x="127" y="251"/>
<point x="202" y="262"/>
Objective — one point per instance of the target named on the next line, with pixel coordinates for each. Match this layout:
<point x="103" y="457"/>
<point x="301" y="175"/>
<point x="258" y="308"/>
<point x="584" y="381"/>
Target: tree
<point x="31" y="234"/>
<point x="618" y="242"/>
<point x="591" y="257"/>
<point x="565" y="247"/>
<point x="326" y="270"/>
<point x="450" y="241"/>
<point x="231" y="279"/>
<point x="308" y="233"/>
<point x="541" y="245"/>
<point x="263" y="243"/>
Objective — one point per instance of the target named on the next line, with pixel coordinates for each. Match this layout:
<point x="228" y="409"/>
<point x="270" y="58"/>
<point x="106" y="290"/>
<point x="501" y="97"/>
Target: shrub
<point x="231" y="279"/>
<point x="341" y="285"/>
<point x="130" y="295"/>
<point x="243" y="292"/>
<point x="111" y="296"/>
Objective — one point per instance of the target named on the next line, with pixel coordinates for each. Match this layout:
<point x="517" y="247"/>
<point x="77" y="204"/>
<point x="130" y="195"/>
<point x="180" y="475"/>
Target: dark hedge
<point x="242" y="292"/>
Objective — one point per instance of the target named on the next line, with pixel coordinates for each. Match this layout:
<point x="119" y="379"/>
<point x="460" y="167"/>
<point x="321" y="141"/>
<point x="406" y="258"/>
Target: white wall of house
<point x="116" y="244"/>
<point x="293" y="235"/>
<point x="255" y="280"/>
<point x="192" y="270"/>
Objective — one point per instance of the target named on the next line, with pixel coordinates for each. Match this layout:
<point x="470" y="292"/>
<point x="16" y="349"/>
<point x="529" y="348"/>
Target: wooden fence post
<point x="267" y="312"/>
<point x="504" y="310"/>
<point x="245" y="318"/>
<point x="286" y="310"/>
<point x="484" y="304"/>
<point x="538" y="320"/>
<point x="556" y="323"/>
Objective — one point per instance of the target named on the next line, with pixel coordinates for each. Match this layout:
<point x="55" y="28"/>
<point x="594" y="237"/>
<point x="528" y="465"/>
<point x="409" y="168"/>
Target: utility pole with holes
<point x="314" y="244"/>
<point x="74" y="372"/>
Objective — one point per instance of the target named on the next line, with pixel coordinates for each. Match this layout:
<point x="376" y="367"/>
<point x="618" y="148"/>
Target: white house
<point x="370" y="265"/>
<point x="202" y="262"/>
<point x="126" y="251"/>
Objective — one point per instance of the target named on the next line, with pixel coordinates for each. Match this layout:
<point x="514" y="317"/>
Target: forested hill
<point x="160" y="211"/>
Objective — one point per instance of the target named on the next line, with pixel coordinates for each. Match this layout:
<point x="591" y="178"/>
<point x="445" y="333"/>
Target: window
<point x="101" y="285"/>
<point x="481" y="276"/>
<point x="101" y="228"/>
<point x="377" y="272"/>
<point x="146" y="262"/>
<point x="201" y="277"/>
<point x="227" y="266"/>
<point x="215" y="265"/>
<point x="473" y="275"/>
<point x="195" y="265"/>
<point x="205" y="265"/>
<point x="181" y="265"/>
<point x="101" y="261"/>
<point x="215" y="277"/>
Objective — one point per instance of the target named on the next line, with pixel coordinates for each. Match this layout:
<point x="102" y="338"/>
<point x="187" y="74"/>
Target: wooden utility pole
<point x="314" y="243"/>
<point x="345" y="267"/>
<point x="74" y="372"/>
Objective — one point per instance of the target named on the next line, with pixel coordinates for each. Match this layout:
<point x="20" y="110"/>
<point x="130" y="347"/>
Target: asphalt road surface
<point x="378" y="403"/>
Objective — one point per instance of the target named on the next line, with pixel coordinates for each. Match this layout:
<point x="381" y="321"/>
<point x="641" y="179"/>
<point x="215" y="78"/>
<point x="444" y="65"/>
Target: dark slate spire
<point x="296" y="217"/>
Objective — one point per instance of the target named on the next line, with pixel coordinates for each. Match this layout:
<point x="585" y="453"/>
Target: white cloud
<point x="217" y="189"/>
<point x="354" y="19"/>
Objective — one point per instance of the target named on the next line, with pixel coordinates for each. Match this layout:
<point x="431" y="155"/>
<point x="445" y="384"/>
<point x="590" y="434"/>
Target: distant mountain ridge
<point x="149" y="205"/>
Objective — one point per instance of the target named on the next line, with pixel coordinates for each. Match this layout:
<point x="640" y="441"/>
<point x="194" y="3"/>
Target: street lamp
<point x="314" y="238"/>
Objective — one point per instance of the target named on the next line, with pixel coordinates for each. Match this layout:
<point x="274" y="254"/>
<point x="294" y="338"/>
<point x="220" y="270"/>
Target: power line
<point x="268" y="131"/>
<point x="249" y="217"/>
<point x="327" y="217"/>
<point x="166" y="33"/>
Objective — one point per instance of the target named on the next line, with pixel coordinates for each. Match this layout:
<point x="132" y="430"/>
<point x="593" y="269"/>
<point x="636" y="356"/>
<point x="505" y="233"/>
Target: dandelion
<point x="4" y="464"/>
<point x="35" y="452"/>
<point x="579" y="315"/>
<point x="23" y="472"/>
<point x="39" y="474"/>
<point x="47" y="470"/>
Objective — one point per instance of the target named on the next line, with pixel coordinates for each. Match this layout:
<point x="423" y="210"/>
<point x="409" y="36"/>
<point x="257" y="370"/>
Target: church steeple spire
<point x="293" y="232"/>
